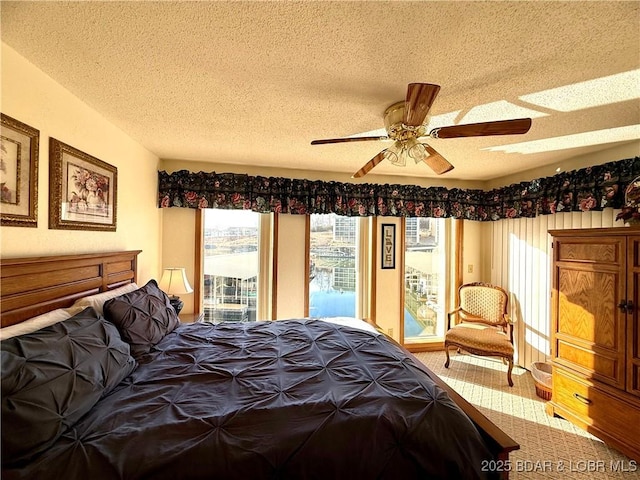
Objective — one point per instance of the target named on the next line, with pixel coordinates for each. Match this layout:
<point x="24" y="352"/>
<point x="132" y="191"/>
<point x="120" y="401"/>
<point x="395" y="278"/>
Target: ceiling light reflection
<point x="592" y="93"/>
<point x="501" y="110"/>
<point x="597" y="137"/>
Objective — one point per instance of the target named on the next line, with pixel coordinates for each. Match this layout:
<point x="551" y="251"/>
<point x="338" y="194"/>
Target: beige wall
<point x="473" y="244"/>
<point x="30" y="96"/>
<point x="178" y="245"/>
<point x="291" y="268"/>
<point x="389" y="282"/>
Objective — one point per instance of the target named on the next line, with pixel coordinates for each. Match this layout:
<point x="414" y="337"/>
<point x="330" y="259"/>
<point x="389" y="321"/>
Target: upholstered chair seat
<point x="481" y="325"/>
<point x="481" y="337"/>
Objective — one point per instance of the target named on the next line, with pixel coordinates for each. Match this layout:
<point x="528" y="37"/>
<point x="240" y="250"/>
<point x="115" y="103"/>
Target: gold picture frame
<point x="82" y="190"/>
<point x="19" y="145"/>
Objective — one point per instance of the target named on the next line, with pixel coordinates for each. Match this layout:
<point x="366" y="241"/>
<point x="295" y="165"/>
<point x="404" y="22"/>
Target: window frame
<point x="364" y="254"/>
<point x="267" y="226"/>
<point x="453" y="271"/>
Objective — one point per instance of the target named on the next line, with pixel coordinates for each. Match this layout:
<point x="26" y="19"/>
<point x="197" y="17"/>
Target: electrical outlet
<point x="470" y="268"/>
<point x="390" y="332"/>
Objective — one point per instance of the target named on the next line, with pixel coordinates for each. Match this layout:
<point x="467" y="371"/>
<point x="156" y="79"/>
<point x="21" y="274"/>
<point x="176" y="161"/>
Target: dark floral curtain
<point x="592" y="188"/>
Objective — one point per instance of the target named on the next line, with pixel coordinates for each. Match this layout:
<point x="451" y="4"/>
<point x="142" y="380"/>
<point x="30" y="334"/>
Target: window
<point x="231" y="265"/>
<point x="333" y="266"/>
<point x="424" y="279"/>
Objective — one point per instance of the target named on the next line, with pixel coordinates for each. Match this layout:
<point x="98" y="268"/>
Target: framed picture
<point x="388" y="245"/>
<point x="19" y="144"/>
<point x="82" y="190"/>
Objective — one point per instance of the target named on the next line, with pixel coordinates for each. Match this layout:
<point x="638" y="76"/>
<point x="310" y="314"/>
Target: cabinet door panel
<point x="587" y="306"/>
<point x="590" y="250"/>
<point x="590" y="328"/>
<point x="633" y="328"/>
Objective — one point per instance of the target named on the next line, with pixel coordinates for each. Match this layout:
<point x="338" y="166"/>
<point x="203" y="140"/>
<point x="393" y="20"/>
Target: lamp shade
<point x="174" y="282"/>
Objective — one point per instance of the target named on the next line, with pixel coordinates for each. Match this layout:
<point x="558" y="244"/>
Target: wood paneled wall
<point x="519" y="259"/>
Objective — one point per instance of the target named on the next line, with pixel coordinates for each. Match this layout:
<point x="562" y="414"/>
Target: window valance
<point x="591" y="188"/>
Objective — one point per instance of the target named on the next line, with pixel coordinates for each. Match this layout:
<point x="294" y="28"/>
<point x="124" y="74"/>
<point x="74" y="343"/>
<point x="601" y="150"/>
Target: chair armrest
<point x="452" y="312"/>
<point x="466" y="316"/>
<point x="510" y="322"/>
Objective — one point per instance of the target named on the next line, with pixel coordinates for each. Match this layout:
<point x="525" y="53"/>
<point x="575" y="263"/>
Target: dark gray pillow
<point x="52" y="377"/>
<point x="143" y="317"/>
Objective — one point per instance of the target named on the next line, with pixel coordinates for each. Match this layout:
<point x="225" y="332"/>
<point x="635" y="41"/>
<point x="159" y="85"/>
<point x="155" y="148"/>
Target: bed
<point x="121" y="389"/>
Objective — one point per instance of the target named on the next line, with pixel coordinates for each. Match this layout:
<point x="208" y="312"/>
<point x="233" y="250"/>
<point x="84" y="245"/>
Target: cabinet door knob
<point x="630" y="306"/>
<point x="623" y="306"/>
<point x="582" y="399"/>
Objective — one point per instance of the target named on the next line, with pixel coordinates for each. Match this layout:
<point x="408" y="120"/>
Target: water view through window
<point x="230" y="265"/>
<point x="425" y="267"/>
<point x="332" y="269"/>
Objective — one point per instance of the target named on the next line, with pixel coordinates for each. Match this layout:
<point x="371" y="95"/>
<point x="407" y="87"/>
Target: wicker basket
<point x="541" y="373"/>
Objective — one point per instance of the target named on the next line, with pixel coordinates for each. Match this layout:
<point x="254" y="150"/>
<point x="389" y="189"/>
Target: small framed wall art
<point x="82" y="190"/>
<point x="19" y="145"/>
<point x="388" y="245"/>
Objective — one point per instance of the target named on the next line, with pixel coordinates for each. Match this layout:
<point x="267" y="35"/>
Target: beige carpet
<point x="549" y="447"/>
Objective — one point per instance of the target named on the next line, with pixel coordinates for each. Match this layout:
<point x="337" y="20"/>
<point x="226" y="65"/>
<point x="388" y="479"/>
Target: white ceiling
<point x="252" y="83"/>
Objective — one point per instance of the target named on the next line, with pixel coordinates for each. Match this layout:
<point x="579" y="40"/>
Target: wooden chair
<point x="482" y="325"/>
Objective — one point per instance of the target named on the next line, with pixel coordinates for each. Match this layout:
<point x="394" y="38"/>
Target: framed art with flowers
<point x="19" y="144"/>
<point x="82" y="190"/>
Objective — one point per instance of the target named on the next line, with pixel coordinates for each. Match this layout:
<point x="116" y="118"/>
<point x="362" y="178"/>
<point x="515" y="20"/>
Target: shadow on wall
<point x="531" y="343"/>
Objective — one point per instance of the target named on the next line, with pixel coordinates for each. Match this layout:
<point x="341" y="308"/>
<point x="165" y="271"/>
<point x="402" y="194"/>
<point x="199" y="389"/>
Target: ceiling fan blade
<point x="347" y="139"/>
<point x="420" y="97"/>
<point x="436" y="162"/>
<point x="500" y="127"/>
<point x="369" y="165"/>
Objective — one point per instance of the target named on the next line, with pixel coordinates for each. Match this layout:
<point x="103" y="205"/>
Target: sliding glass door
<point x="333" y="266"/>
<point x="231" y="265"/>
<point x="424" y="280"/>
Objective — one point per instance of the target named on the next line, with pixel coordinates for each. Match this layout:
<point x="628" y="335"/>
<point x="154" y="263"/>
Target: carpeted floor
<point x="549" y="447"/>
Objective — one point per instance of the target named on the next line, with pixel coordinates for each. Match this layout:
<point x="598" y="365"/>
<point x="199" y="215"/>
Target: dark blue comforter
<point x="291" y="399"/>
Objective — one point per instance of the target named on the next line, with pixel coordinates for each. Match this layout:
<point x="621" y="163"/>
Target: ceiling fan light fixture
<point x="396" y="154"/>
<point x="415" y="150"/>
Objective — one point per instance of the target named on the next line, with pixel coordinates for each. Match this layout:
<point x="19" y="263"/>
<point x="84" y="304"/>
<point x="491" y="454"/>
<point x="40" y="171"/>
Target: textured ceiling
<point x="253" y="83"/>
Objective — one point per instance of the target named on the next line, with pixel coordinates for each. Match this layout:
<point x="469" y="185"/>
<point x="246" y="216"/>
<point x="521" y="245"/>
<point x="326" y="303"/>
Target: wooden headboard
<point x="34" y="285"/>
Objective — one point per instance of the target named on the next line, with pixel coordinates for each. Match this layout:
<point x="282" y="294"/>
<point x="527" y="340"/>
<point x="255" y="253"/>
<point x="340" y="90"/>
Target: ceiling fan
<point x="404" y="124"/>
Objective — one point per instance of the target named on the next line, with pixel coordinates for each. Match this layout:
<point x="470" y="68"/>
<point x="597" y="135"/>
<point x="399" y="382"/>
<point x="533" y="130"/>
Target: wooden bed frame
<point x="500" y="444"/>
<point x="35" y="285"/>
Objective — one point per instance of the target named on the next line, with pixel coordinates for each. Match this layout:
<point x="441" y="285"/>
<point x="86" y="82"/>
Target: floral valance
<point x="592" y="188"/>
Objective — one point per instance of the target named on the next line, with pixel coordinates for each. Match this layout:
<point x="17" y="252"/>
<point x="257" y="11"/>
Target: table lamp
<point x="174" y="281"/>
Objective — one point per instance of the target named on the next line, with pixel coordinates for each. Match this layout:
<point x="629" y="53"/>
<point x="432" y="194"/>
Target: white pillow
<point x="36" y="323"/>
<point x="97" y="301"/>
<point x="351" y="322"/>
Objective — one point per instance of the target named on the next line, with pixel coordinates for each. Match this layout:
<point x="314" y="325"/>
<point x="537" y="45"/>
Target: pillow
<point x="97" y="301"/>
<point x="52" y="377"/>
<point x="143" y="317"/>
<point x="41" y="321"/>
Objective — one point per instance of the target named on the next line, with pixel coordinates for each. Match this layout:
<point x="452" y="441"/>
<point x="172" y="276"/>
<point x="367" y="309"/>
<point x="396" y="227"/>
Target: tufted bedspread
<point x="291" y="399"/>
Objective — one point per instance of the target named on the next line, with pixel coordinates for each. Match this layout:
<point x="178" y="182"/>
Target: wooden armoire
<point x="596" y="342"/>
